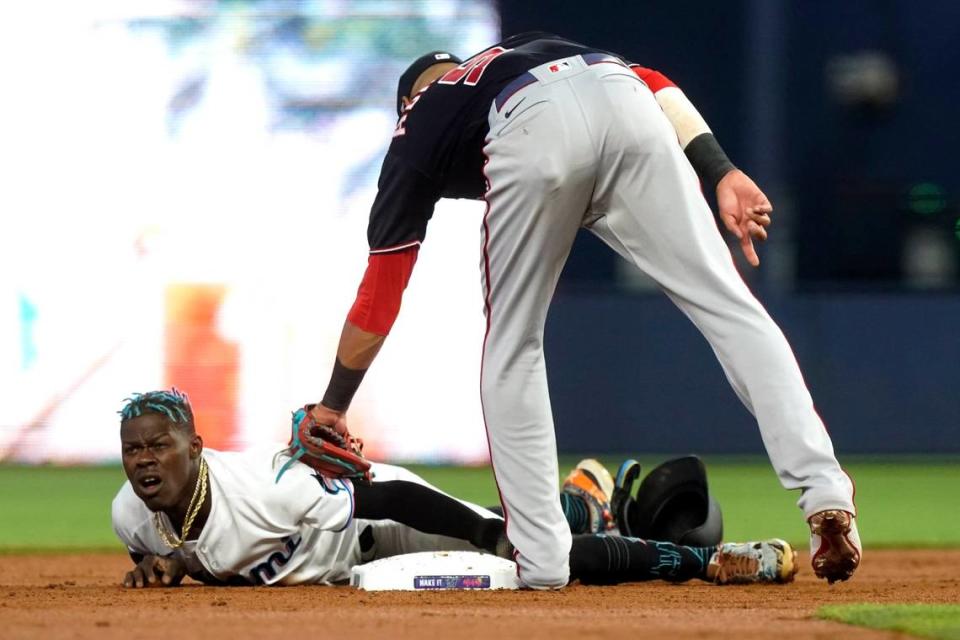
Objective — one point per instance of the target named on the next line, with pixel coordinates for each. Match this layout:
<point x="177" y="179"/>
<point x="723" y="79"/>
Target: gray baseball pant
<point x="587" y="145"/>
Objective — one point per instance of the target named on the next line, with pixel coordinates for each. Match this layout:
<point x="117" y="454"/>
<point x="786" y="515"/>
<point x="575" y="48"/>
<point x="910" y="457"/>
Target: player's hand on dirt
<point x="154" y="571"/>
<point x="744" y="210"/>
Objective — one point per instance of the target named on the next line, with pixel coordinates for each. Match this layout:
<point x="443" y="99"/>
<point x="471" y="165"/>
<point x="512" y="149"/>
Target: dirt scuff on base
<point x="78" y="596"/>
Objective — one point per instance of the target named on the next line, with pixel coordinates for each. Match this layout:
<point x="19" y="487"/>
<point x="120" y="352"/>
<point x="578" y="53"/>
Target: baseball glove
<point x="324" y="449"/>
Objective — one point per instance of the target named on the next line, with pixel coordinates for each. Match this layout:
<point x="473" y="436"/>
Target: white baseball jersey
<point x="300" y="530"/>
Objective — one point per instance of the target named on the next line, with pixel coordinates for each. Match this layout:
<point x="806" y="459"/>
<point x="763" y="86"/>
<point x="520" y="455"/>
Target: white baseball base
<point x="436" y="570"/>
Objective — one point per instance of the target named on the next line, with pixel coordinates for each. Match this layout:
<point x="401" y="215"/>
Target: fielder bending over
<point x="554" y="136"/>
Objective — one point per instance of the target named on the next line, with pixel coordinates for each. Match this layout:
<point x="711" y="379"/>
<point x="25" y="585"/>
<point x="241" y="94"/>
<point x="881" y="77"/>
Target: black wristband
<point x="344" y="382"/>
<point x="708" y="160"/>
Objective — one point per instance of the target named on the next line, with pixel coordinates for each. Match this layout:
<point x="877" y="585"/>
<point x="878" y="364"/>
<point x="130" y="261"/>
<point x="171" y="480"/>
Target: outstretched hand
<point x="744" y="210"/>
<point x="155" y="571"/>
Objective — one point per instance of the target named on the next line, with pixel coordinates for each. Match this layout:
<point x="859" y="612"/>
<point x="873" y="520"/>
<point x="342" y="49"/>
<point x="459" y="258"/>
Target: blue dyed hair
<point x="173" y="405"/>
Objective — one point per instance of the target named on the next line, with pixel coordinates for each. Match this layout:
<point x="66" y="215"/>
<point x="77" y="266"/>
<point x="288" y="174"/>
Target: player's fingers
<point x="756" y="231"/>
<point x="341" y="424"/>
<point x="760" y="218"/>
<point x="154" y="570"/>
<point x="139" y="580"/>
<point x="128" y="580"/>
<point x="746" y="245"/>
<point x="171" y="573"/>
<point x="730" y="222"/>
<point x="166" y="579"/>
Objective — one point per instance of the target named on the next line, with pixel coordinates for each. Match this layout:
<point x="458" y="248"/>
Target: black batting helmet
<point x="673" y="504"/>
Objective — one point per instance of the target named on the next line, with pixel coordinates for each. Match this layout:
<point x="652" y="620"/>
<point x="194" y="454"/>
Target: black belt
<point x="526" y="78"/>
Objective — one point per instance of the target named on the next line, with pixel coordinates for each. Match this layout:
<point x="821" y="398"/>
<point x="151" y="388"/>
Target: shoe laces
<point x="734" y="565"/>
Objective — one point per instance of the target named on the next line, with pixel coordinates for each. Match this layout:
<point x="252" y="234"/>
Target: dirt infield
<point x="77" y="596"/>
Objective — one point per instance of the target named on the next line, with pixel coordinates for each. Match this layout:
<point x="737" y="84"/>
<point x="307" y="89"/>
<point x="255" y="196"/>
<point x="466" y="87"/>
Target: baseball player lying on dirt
<point x="228" y="519"/>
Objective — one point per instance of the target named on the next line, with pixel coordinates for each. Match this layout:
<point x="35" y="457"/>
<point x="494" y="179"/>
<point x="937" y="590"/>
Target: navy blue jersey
<point x="437" y="148"/>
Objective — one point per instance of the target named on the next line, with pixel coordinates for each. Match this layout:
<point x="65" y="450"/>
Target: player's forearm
<point x="370" y="319"/>
<point x="685" y="118"/>
<point x="358" y="348"/>
<point x="698" y="142"/>
<point x="356" y="353"/>
<point x="696" y="139"/>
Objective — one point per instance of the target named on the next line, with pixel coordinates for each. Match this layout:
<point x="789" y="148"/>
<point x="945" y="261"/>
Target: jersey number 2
<point x="471" y="70"/>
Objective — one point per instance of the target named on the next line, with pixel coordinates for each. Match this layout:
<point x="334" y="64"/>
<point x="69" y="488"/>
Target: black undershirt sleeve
<point x="426" y="510"/>
<point x="206" y="578"/>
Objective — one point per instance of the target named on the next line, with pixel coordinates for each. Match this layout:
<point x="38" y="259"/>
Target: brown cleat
<point x="834" y="545"/>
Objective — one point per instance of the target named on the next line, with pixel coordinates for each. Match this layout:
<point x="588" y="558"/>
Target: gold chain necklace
<point x="196" y="503"/>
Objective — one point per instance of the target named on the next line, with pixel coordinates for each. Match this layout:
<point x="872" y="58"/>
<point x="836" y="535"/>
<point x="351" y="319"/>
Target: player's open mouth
<point x="149" y="484"/>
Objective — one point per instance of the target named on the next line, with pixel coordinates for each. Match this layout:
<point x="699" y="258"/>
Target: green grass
<point x="927" y="620"/>
<point x="902" y="503"/>
<point x="57" y="507"/>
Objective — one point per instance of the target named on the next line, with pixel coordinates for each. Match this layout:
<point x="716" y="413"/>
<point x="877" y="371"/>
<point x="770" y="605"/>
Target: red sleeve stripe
<point x="653" y="79"/>
<point x="396" y="247"/>
<point x="378" y="299"/>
